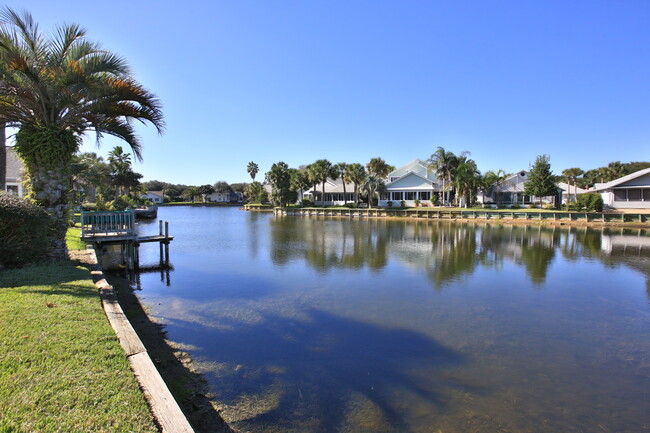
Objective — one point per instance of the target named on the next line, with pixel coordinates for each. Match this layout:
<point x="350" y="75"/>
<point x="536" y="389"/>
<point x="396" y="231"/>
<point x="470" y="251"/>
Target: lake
<point x="311" y="324"/>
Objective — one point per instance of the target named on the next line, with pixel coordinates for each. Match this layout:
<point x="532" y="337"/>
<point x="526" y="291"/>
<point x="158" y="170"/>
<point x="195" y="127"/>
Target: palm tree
<point x="323" y="170"/>
<point x="466" y="178"/>
<point x="442" y="163"/>
<point x="252" y="169"/>
<point x="342" y="171"/>
<point x="379" y="168"/>
<point x="571" y="174"/>
<point x="90" y="173"/>
<point x="357" y="175"/>
<point x="53" y="89"/>
<point x="371" y="185"/>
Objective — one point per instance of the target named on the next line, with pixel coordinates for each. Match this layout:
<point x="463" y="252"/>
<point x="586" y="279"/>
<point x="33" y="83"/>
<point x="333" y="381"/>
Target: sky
<point x="349" y="80"/>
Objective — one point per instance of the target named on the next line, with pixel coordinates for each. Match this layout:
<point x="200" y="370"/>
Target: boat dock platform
<point x="118" y="228"/>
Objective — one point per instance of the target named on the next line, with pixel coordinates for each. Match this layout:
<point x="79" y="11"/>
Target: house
<point x="510" y="191"/>
<point x="219" y="197"/>
<point x="236" y="197"/>
<point x="628" y="192"/>
<point x="334" y="194"/>
<point x="413" y="181"/>
<point x="570" y="195"/>
<point x="14" y="176"/>
<point x="156" y="197"/>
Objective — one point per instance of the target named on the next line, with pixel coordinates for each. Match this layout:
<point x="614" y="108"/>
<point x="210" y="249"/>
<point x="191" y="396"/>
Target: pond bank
<point x="509" y="217"/>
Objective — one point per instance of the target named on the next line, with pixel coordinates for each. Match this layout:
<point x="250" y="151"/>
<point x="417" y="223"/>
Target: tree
<point x="238" y="187"/>
<point x="222" y="187"/>
<point x="90" y="174"/>
<point x="357" y="175"/>
<point x="442" y="163"/>
<point x="54" y="88"/>
<point x="466" y="179"/>
<point x="205" y="190"/>
<point x="323" y="170"/>
<point x="252" y="169"/>
<point x="571" y="174"/>
<point x="3" y="157"/>
<point x="191" y="192"/>
<point x="372" y="184"/>
<point x="379" y="168"/>
<point x="342" y="173"/>
<point x="279" y="179"/>
<point x="540" y="179"/>
<point x="119" y="164"/>
<point x="299" y="180"/>
<point x="255" y="193"/>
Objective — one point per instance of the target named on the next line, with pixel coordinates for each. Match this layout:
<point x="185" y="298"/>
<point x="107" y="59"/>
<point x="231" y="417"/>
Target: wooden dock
<point x="118" y="228"/>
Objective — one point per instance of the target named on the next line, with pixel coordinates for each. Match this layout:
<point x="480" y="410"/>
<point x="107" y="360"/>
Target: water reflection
<point x="331" y="325"/>
<point x="449" y="251"/>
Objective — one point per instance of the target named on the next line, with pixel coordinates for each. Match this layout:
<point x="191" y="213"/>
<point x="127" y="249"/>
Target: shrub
<point x="402" y="203"/>
<point x="24" y="230"/>
<point x="548" y="206"/>
<point x="590" y="202"/>
<point x="417" y="202"/>
<point x="389" y="204"/>
<point x="306" y="202"/>
<point x="515" y="206"/>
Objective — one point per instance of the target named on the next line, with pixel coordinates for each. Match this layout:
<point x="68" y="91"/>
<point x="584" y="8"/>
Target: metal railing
<point x="107" y="223"/>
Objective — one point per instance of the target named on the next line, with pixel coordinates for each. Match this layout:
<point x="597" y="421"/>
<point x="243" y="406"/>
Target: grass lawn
<point x="73" y="239"/>
<point x="61" y="366"/>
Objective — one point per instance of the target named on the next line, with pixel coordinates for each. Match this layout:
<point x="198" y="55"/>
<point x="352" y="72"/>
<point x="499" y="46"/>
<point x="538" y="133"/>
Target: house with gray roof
<point x="14" y="176"/>
<point x="628" y="192"/>
<point x="510" y="191"/>
<point x="410" y="182"/>
<point x="335" y="195"/>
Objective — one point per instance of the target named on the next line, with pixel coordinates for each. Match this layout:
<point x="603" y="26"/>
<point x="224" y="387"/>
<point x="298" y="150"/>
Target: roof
<point x="423" y="181"/>
<point x="564" y="186"/>
<point x="15" y="165"/>
<point x="416" y="166"/>
<point x="156" y="193"/>
<point x="621" y="180"/>
<point x="331" y="186"/>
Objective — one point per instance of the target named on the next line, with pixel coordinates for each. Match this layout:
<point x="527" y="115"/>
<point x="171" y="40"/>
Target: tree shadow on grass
<point x="59" y="275"/>
<point x="318" y="365"/>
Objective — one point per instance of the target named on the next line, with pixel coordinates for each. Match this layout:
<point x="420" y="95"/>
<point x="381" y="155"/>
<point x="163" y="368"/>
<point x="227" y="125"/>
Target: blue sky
<point x="297" y="81"/>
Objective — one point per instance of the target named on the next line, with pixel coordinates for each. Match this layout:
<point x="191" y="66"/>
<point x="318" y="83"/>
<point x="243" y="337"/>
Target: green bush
<point x="548" y="206"/>
<point x="590" y="202"/>
<point x="24" y="230"/>
<point x="515" y="206"/>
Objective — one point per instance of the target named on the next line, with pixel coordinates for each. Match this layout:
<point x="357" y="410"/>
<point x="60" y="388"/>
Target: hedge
<point x="24" y="229"/>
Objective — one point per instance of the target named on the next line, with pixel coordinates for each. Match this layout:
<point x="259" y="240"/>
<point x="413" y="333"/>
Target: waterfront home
<point x="14" y="176"/>
<point x="334" y="194"/>
<point x="628" y="192"/>
<point x="510" y="192"/>
<point x="156" y="197"/>
<point x="571" y="195"/>
<point x="219" y="197"/>
<point x="410" y="182"/>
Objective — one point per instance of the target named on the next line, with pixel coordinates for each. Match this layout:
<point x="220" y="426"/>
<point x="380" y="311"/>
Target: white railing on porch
<point x="105" y="223"/>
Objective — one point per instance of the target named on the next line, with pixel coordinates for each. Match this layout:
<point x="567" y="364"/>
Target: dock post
<point x="166" y="243"/>
<point x="160" y="232"/>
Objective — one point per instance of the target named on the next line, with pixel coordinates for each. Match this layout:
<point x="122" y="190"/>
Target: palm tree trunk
<point x="322" y="193"/>
<point x="3" y="157"/>
<point x="345" y="194"/>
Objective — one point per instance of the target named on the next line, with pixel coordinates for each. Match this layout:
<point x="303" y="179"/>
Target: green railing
<point x="107" y="223"/>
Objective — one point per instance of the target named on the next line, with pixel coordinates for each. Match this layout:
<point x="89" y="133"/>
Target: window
<point x="12" y="189"/>
<point x="646" y="195"/>
<point x="620" y="195"/>
<point x="634" y="195"/>
<point x="384" y="196"/>
<point x="425" y="195"/>
<point x="410" y="195"/>
<point x="397" y="195"/>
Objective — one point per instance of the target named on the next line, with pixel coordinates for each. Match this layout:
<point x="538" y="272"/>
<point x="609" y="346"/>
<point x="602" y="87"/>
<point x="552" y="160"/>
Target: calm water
<point x="324" y="325"/>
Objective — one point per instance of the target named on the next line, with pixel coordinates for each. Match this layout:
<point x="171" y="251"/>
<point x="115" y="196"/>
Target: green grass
<point x="73" y="240"/>
<point x="61" y="366"/>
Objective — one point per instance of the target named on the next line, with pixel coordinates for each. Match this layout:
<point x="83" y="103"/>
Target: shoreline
<point x="175" y="365"/>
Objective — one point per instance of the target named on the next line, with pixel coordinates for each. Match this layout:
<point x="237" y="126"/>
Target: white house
<point x="156" y="197"/>
<point x="571" y="195"/>
<point x="510" y="191"/>
<point x="219" y="197"/>
<point x="408" y="183"/>
<point x="628" y="192"/>
<point x="14" y="177"/>
<point x="334" y="194"/>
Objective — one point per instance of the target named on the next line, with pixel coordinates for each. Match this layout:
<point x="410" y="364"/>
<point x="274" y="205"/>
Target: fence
<point x="107" y="223"/>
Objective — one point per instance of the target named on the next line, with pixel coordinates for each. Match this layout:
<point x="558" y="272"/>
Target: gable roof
<point x="416" y="166"/>
<point x="621" y="180"/>
<point x="419" y="180"/>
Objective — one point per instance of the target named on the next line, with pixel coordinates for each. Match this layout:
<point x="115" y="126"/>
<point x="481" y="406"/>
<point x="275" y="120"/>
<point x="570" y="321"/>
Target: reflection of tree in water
<point x="445" y="250"/>
<point x="322" y="368"/>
